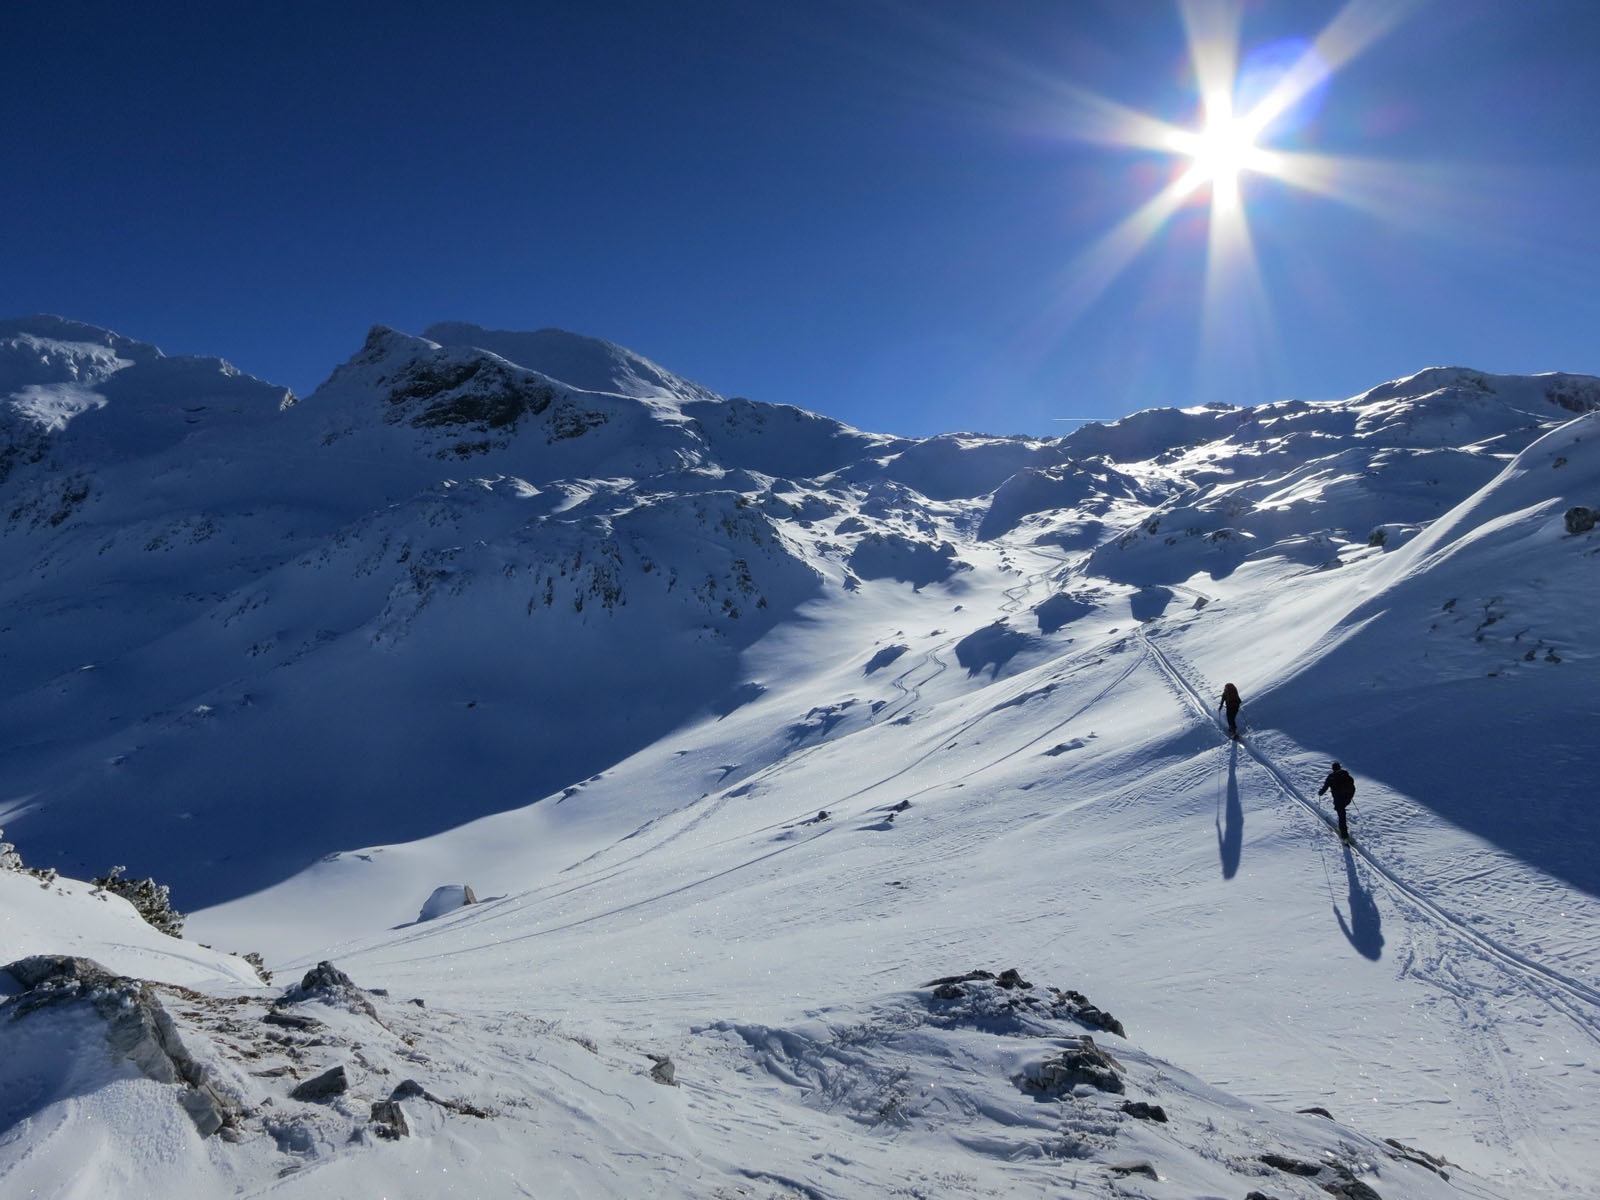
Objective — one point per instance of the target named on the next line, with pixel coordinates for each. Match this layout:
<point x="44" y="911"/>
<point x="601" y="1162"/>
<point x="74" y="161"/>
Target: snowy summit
<point x="567" y="781"/>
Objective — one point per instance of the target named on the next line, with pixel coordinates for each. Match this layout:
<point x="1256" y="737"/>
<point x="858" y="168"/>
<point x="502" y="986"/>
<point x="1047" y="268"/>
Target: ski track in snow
<point x="1556" y="988"/>
<point x="704" y="810"/>
<point x="935" y="662"/>
<point x="1431" y="928"/>
<point x="1432" y="932"/>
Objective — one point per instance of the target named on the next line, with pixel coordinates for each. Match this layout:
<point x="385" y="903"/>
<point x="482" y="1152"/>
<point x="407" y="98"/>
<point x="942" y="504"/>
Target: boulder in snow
<point x="446" y="899"/>
<point x="326" y="983"/>
<point x="332" y="1082"/>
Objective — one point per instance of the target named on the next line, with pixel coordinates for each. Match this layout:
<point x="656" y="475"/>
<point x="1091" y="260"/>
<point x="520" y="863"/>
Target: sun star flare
<point x="1242" y="111"/>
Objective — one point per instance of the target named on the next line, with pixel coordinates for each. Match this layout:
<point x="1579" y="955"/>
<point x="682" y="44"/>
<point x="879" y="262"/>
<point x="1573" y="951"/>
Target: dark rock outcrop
<point x="329" y="985"/>
<point x="1010" y="992"/>
<point x="1333" y="1177"/>
<point x="287" y="1020"/>
<point x="1145" y="1112"/>
<point x="1348" y="1187"/>
<point x="1084" y="1063"/>
<point x="389" y="1120"/>
<point x="332" y="1082"/>
<point x="1291" y="1166"/>
<point x="410" y="1089"/>
<point x="1421" y="1158"/>
<point x="1141" y="1167"/>
<point x="663" y="1071"/>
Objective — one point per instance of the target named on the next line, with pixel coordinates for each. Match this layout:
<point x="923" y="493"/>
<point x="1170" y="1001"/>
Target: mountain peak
<point x="587" y="363"/>
<point x="1575" y="393"/>
<point x="54" y="371"/>
<point x="49" y="327"/>
<point x="49" y="351"/>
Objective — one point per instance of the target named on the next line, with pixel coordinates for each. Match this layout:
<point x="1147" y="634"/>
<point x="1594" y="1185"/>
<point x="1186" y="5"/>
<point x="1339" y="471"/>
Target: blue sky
<point x="887" y="212"/>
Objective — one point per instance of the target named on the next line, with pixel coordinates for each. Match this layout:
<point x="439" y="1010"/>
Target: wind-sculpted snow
<point x="1152" y="433"/>
<point x="1086" y="492"/>
<point x="781" y="440"/>
<point x="1403" y="462"/>
<point x="448" y="408"/>
<point x="1575" y="394"/>
<point x="44" y="350"/>
<point x="483" y="618"/>
<point x="980" y="1084"/>
<point x="776" y="439"/>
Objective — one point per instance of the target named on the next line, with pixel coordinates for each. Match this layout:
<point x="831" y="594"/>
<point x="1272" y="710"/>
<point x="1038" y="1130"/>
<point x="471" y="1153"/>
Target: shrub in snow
<point x="1581" y="519"/>
<point x="149" y="898"/>
<point x="10" y="860"/>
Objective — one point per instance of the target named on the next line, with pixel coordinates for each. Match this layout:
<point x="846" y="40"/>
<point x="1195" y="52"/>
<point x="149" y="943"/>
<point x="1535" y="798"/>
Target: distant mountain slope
<point x="755" y="734"/>
<point x="474" y="568"/>
<point x="73" y="397"/>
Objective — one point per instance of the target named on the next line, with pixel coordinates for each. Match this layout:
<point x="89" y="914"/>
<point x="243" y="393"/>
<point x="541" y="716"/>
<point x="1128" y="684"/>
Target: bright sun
<point x="1224" y="147"/>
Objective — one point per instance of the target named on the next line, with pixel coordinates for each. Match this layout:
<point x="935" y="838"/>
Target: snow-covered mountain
<point x="746" y="727"/>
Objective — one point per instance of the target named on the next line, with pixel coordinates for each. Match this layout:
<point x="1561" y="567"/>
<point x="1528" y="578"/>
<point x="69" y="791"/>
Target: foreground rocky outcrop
<point x="312" y="1069"/>
<point x="983" y="1064"/>
<point x="1010" y="1065"/>
<point x="138" y="1029"/>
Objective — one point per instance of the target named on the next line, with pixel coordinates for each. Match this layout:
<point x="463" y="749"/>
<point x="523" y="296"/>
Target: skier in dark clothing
<point x="1343" y="788"/>
<point x="1231" y="702"/>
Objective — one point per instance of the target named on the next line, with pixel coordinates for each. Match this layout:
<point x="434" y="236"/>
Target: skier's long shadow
<point x="1365" y="928"/>
<point x="1230" y="831"/>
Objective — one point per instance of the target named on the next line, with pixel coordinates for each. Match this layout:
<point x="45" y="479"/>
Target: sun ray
<point x="1212" y="30"/>
<point x="1086" y="278"/>
<point x="1478" y="207"/>
<point x="1230" y="141"/>
<point x="1354" y="27"/>
<point x="1237" y="328"/>
<point x="1085" y="116"/>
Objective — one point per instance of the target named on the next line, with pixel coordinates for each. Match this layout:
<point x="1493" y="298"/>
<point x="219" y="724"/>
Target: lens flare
<point x="1241" y="111"/>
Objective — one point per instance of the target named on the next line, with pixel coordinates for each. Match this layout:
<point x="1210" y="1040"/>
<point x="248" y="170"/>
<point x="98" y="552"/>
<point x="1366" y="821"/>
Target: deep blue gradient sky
<point x="868" y="208"/>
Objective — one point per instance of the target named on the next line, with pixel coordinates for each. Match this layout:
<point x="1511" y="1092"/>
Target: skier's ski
<point x="1333" y="824"/>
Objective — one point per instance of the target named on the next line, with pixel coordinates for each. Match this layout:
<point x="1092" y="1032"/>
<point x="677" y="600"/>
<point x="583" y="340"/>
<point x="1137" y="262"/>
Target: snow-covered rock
<point x="446" y="898"/>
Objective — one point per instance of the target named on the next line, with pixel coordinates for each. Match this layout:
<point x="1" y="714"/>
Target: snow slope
<point x="955" y="711"/>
